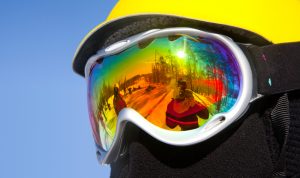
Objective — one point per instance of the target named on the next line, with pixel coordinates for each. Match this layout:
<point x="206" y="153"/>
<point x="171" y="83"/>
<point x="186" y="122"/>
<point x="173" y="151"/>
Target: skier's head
<point x="182" y="84"/>
<point x="116" y="88"/>
<point x="223" y="48"/>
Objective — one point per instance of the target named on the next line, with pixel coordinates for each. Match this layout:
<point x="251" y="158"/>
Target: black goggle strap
<point x="277" y="67"/>
<point x="278" y="71"/>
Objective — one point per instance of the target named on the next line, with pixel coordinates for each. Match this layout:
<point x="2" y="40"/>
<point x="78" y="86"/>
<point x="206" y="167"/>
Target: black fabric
<point x="277" y="67"/>
<point x="280" y="117"/>
<point x="280" y="120"/>
<point x="287" y="116"/>
<point x="293" y="140"/>
<point x="240" y="153"/>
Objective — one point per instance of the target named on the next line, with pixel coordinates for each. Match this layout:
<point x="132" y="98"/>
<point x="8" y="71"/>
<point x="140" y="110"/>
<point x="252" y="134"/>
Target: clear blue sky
<point x="44" y="129"/>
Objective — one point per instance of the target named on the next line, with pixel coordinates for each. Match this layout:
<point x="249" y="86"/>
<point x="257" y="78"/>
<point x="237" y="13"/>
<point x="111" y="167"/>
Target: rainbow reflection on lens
<point x="177" y="83"/>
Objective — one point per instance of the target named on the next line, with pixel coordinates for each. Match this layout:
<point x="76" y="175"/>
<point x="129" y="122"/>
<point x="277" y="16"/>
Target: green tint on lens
<point x="177" y="83"/>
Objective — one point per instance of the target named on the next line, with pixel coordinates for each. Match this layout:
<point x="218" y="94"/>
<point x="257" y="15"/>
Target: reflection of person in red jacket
<point x="119" y="102"/>
<point x="184" y="110"/>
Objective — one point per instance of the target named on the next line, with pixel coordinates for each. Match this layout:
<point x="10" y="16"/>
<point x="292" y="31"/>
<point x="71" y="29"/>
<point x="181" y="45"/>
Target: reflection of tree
<point x="191" y="66"/>
<point x="161" y="69"/>
<point x="102" y="97"/>
<point x="205" y="72"/>
<point x="173" y="65"/>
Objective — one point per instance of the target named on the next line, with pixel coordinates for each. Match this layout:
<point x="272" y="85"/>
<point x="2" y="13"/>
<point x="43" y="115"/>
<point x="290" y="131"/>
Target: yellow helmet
<point x="251" y="21"/>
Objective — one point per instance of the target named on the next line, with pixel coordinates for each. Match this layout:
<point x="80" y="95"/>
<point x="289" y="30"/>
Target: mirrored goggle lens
<point x="177" y="83"/>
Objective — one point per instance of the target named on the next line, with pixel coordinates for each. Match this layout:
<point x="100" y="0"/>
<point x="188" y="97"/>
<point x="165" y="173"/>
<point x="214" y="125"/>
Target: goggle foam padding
<point x="119" y="30"/>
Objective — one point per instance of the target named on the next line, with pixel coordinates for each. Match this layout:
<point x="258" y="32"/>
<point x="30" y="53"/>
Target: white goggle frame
<point x="183" y="138"/>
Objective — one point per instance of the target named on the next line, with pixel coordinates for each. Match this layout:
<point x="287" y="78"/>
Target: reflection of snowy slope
<point x="157" y="114"/>
<point x="205" y="101"/>
<point x="105" y="137"/>
<point x="151" y="101"/>
<point x="144" y="101"/>
<point x="110" y="118"/>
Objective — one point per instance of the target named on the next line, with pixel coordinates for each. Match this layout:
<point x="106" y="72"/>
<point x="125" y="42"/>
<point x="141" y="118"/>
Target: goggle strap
<point x="277" y="67"/>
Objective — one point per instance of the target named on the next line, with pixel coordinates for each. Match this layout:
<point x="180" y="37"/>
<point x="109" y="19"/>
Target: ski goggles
<point x="180" y="85"/>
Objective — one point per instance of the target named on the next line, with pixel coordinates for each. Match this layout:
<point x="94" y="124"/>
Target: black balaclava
<point x="255" y="146"/>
